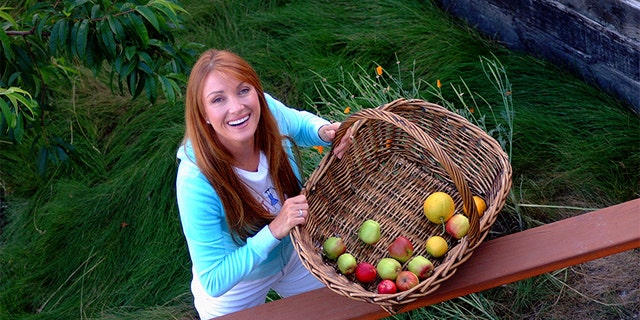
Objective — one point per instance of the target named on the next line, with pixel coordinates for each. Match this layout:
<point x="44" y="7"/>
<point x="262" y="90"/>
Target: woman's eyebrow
<point x="214" y="92"/>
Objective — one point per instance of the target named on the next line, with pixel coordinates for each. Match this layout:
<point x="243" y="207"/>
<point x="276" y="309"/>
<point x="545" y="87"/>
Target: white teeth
<point x="239" y="121"/>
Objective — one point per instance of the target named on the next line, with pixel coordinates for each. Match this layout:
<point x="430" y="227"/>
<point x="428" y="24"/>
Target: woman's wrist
<point x="320" y="133"/>
<point x="273" y="233"/>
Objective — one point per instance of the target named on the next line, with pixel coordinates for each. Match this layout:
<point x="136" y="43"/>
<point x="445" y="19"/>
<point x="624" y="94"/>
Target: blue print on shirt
<point x="272" y="198"/>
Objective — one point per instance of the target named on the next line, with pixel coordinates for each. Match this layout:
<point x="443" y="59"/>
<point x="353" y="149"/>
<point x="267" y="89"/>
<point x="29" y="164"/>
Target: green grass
<point x="101" y="238"/>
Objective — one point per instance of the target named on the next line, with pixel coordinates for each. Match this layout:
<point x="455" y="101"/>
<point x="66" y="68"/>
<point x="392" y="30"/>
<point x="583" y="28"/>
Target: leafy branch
<point x="132" y="42"/>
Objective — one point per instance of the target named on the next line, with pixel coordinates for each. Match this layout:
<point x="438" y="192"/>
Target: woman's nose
<point x="235" y="104"/>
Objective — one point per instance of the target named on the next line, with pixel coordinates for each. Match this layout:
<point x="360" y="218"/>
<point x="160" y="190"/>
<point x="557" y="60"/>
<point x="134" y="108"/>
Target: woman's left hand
<point x="294" y="212"/>
<point x="328" y="133"/>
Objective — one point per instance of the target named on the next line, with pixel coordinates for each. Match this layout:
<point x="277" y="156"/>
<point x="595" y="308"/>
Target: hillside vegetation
<point x="100" y="237"/>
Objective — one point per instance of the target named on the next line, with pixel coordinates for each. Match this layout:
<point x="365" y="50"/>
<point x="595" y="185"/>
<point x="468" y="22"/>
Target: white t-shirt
<point x="261" y="186"/>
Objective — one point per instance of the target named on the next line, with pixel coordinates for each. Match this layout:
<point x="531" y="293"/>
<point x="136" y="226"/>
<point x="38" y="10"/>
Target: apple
<point x="366" y="272"/>
<point x="333" y="247"/>
<point x="420" y="266"/>
<point x="406" y="280"/>
<point x="388" y="268"/>
<point x="401" y="249"/>
<point x="347" y="263"/>
<point x="387" y="287"/>
<point x="458" y="226"/>
<point x="437" y="246"/>
<point x="369" y="232"/>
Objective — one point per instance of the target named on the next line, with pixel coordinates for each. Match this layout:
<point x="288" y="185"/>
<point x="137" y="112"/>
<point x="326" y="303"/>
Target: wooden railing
<point x="496" y="262"/>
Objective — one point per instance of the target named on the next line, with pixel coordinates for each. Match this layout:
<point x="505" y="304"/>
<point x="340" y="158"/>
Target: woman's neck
<point x="247" y="159"/>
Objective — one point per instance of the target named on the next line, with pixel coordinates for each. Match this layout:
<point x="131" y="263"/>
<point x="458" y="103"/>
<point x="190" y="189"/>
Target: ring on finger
<point x="299" y="213"/>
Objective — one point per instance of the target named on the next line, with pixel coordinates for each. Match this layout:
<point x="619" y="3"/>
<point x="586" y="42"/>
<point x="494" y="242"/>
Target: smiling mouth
<point x="238" y="122"/>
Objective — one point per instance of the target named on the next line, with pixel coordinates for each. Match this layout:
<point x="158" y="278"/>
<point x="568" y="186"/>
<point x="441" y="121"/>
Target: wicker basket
<point x="401" y="152"/>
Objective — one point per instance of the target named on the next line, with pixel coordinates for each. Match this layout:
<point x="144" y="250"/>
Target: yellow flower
<point x="320" y="149"/>
<point x="439" y="84"/>
<point x="347" y="110"/>
<point x="379" y="70"/>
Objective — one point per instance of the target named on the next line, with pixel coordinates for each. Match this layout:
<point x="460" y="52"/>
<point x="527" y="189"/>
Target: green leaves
<point x="148" y="14"/>
<point x="7" y="17"/>
<point x="132" y="41"/>
<point x="21" y="106"/>
<point x="108" y="42"/>
<point x="137" y="28"/>
<point x="79" y="35"/>
<point x="56" y="152"/>
<point x="6" y="45"/>
<point x="4" y="39"/>
<point x="59" y="38"/>
<point x="120" y="33"/>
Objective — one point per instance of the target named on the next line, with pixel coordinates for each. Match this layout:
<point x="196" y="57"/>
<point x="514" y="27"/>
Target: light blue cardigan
<point x="219" y="263"/>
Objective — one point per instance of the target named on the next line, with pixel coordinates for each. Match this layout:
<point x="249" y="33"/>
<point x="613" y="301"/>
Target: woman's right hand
<point x="294" y="212"/>
<point x="328" y="133"/>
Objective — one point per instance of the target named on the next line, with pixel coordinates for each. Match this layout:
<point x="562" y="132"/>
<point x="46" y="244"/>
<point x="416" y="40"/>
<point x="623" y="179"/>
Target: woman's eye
<point x="244" y="91"/>
<point x="217" y="100"/>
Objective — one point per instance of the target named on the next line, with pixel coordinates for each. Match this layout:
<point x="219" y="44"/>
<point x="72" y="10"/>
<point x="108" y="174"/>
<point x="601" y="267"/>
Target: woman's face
<point x="232" y="109"/>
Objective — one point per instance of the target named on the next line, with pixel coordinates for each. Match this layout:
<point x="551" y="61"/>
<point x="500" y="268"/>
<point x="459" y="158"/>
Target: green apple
<point x="388" y="268"/>
<point x="369" y="232"/>
<point x="333" y="247"/>
<point x="347" y="263"/>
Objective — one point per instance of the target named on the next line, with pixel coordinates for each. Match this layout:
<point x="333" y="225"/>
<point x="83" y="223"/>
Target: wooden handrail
<point x="496" y="262"/>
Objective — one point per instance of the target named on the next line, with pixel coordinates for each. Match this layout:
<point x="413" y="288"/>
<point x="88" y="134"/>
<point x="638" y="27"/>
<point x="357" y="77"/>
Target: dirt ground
<point x="606" y="288"/>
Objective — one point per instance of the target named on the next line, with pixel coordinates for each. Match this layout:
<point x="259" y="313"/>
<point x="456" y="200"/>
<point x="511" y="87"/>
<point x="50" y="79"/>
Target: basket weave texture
<point x="400" y="153"/>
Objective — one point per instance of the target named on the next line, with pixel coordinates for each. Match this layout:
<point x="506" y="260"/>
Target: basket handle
<point x="434" y="149"/>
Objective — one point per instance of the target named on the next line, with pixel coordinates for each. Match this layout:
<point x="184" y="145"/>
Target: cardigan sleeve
<point x="300" y="125"/>
<point x="219" y="263"/>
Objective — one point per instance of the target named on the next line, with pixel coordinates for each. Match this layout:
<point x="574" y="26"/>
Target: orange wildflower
<point x="320" y="149"/>
<point x="379" y="70"/>
<point x="388" y="143"/>
<point x="471" y="110"/>
<point x="347" y="110"/>
<point x="439" y="84"/>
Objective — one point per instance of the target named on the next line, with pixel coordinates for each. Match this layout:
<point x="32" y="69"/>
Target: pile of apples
<point x="389" y="270"/>
<point x="438" y="208"/>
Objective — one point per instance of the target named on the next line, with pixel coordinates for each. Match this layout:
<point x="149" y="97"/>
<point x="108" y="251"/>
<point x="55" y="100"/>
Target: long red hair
<point x="245" y="215"/>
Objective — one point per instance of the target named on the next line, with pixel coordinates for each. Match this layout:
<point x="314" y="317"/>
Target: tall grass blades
<point x="101" y="238"/>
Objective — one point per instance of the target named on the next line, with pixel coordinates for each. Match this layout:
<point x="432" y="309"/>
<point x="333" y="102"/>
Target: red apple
<point x="458" y="226"/>
<point x="387" y="287"/>
<point x="406" y="280"/>
<point x="333" y="247"/>
<point x="401" y="249"/>
<point x="421" y="266"/>
<point x="366" y="272"/>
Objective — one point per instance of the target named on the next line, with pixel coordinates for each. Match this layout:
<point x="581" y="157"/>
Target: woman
<point x="238" y="187"/>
